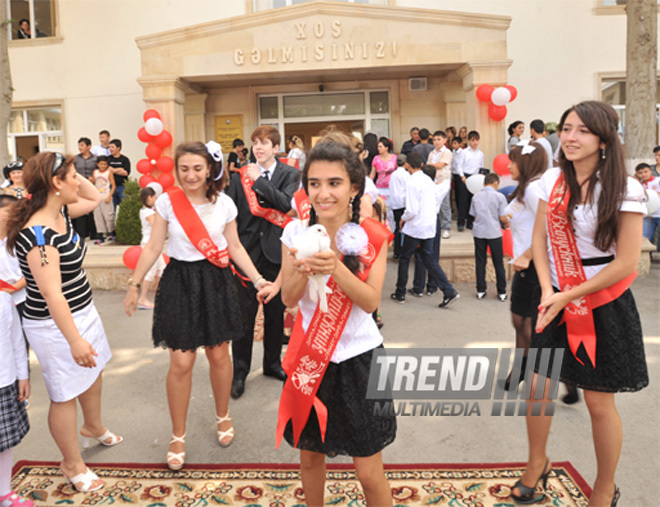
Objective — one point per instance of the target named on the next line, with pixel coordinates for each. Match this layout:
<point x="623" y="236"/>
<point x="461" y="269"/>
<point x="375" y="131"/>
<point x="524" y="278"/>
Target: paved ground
<point x="135" y="403"/>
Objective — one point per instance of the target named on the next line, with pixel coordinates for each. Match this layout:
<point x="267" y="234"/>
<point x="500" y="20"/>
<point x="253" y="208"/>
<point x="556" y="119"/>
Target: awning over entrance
<point x="322" y="42"/>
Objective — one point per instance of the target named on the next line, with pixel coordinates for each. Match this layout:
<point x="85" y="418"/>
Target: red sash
<point x="196" y="231"/>
<point x="5" y="285"/>
<point x="274" y="216"/>
<point x="308" y="354"/>
<point x="303" y="206"/>
<point x="293" y="162"/>
<point x="578" y="314"/>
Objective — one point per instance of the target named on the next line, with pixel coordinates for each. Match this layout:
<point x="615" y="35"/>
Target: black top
<point x="75" y="287"/>
<point x="408" y="146"/>
<point x="259" y="236"/>
<point x="123" y="162"/>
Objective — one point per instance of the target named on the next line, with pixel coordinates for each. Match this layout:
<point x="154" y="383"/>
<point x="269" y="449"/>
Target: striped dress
<point x="64" y="378"/>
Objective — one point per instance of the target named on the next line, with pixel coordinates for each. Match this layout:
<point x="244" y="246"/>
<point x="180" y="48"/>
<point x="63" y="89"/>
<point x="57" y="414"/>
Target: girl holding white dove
<point x="197" y="303"/>
<point x="330" y="352"/>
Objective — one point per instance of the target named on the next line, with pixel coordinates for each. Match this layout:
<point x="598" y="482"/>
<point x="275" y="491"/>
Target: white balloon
<point x="652" y="201"/>
<point x="153" y="126"/>
<point x="157" y="187"/>
<point x="500" y="97"/>
<point x="475" y="183"/>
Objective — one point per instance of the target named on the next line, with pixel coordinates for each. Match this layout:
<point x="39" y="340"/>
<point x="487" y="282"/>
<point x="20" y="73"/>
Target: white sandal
<point x="222" y="435"/>
<point x="176" y="460"/>
<point x="114" y="439"/>
<point x="87" y="480"/>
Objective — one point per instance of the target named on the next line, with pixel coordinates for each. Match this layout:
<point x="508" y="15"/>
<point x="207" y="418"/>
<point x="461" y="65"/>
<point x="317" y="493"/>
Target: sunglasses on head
<point x="59" y="161"/>
<point x="15" y="166"/>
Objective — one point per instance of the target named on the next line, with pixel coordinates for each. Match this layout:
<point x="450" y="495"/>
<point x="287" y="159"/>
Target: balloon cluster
<point x="156" y="169"/>
<point x="498" y="98"/>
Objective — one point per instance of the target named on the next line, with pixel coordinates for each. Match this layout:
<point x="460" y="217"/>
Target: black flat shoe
<point x="615" y="498"/>
<point x="572" y="396"/>
<point x="521" y="377"/>
<point x="277" y="373"/>
<point x="527" y="495"/>
<point x="237" y="388"/>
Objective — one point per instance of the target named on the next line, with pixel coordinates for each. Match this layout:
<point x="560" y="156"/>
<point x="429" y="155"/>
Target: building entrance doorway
<point x="310" y="132"/>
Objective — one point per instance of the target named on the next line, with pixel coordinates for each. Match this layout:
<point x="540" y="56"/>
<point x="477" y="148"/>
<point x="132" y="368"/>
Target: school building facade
<point x="216" y="70"/>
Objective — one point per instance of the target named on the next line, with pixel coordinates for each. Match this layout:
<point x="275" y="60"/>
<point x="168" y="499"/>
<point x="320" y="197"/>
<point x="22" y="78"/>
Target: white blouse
<point x="10" y="271"/>
<point x="14" y="358"/>
<point x="360" y="334"/>
<point x="522" y="217"/>
<point x="214" y="216"/>
<point x="585" y="220"/>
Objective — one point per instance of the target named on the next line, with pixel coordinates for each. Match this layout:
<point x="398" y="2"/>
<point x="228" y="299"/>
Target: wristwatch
<point x="134" y="284"/>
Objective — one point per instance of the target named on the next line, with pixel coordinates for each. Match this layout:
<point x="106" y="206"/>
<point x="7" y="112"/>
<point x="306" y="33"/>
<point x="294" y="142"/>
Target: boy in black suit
<point x="262" y="193"/>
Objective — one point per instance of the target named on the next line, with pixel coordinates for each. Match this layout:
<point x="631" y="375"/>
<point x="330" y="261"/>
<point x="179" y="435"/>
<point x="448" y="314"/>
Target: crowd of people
<point x="243" y="233"/>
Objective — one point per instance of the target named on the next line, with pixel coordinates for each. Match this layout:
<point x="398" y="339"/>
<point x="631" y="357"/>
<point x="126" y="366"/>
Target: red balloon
<point x="144" y="166"/>
<point x="131" y="256"/>
<point x="153" y="152"/>
<point x="501" y="164"/>
<point x="165" y="164"/>
<point x="496" y="113"/>
<point x="514" y="92"/>
<point x="144" y="136"/>
<point x="150" y="113"/>
<point x="166" y="180"/>
<point x="484" y="92"/>
<point x="145" y="180"/>
<point x="164" y="139"/>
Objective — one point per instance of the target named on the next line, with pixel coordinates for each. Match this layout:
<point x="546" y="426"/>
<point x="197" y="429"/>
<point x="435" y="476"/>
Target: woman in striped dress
<point x="60" y="320"/>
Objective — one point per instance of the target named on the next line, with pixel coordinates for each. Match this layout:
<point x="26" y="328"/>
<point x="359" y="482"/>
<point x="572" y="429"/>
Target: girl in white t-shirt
<point x="297" y="152"/>
<point x="334" y="181"/>
<point x="147" y="217"/>
<point x="605" y="210"/>
<point x="527" y="163"/>
<point x="197" y="303"/>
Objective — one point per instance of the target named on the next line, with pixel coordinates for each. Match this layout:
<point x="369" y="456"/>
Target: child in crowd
<point x="419" y="279"/>
<point x="147" y="216"/>
<point x="472" y="159"/>
<point x="488" y="208"/>
<point x="234" y="159"/>
<point x="10" y="270"/>
<point x="397" y="200"/>
<point x="419" y="226"/>
<point x="14" y="391"/>
<point x="441" y="159"/>
<point x="645" y="176"/>
<point x="104" y="214"/>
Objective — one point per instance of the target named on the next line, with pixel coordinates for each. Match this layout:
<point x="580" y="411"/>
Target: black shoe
<point x="430" y="292"/>
<point x="277" y="373"/>
<point x="397" y="298"/>
<point x="527" y="494"/>
<point x="572" y="396"/>
<point x="460" y="228"/>
<point x="521" y="377"/>
<point x="395" y="256"/>
<point x="615" y="498"/>
<point x="449" y="300"/>
<point x="237" y="388"/>
<point x="469" y="226"/>
<point x="414" y="293"/>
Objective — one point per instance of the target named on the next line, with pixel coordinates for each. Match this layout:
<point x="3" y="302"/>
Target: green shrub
<point x="129" y="229"/>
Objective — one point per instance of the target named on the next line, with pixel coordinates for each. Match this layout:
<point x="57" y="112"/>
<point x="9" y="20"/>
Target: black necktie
<point x="266" y="174"/>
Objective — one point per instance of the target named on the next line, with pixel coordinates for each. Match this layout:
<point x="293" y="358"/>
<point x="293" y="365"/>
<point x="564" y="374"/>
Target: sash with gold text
<point x="308" y="354"/>
<point x="196" y="231"/>
<point x="274" y="216"/>
<point x="578" y="314"/>
<point x="303" y="206"/>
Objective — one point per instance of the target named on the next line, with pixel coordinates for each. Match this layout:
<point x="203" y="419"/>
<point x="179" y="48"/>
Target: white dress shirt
<point x="548" y="149"/>
<point x="420" y="216"/>
<point x="398" y="183"/>
<point x="14" y="359"/>
<point x="471" y="162"/>
<point x="10" y="271"/>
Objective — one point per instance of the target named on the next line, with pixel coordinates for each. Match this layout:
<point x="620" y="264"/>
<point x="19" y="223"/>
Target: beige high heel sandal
<point x="176" y="460"/>
<point x="222" y="435"/>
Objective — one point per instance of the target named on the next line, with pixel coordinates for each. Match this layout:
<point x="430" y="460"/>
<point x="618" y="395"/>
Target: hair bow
<point x="215" y="150"/>
<point x="526" y="147"/>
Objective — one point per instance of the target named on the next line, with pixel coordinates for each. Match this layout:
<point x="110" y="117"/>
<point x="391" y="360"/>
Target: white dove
<point x="314" y="239"/>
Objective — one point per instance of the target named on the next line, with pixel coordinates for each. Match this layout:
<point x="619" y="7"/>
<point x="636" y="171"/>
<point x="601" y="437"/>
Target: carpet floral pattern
<point x="264" y="485"/>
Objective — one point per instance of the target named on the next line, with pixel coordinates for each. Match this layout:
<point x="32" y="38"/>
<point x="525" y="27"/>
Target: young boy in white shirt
<point x="397" y="200"/>
<point x="419" y="225"/>
<point x="441" y="159"/>
<point x="472" y="159"/>
<point x="645" y="176"/>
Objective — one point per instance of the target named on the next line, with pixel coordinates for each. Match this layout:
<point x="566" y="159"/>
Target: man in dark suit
<point x="262" y="193"/>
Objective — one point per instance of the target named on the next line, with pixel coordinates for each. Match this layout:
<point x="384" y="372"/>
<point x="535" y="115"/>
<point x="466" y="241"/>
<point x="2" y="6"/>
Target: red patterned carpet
<point x="274" y="485"/>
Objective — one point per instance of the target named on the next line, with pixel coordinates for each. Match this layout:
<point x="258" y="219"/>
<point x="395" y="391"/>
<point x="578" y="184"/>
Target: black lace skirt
<point x="523" y="289"/>
<point x="620" y="358"/>
<point x="353" y="429"/>
<point x="197" y="305"/>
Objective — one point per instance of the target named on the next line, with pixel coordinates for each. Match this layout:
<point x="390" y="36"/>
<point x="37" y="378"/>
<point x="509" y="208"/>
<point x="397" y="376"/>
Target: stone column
<point x="195" y="111"/>
<point x="493" y="133"/>
<point x="167" y="95"/>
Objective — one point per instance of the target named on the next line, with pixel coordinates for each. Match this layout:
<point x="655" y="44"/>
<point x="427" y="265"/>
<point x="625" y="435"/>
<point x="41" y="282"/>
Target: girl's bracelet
<point x="259" y="279"/>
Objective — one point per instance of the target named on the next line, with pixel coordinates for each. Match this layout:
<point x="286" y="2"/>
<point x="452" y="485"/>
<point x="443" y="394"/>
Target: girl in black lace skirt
<point x="197" y="303"/>
<point x="334" y="180"/>
<point x="604" y="210"/>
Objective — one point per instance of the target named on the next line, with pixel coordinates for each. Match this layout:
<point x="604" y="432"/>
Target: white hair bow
<point x="526" y="147"/>
<point x="215" y="150"/>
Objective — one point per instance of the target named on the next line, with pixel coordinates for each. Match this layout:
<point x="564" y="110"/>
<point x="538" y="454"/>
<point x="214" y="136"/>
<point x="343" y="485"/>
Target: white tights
<point x="6" y="462"/>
